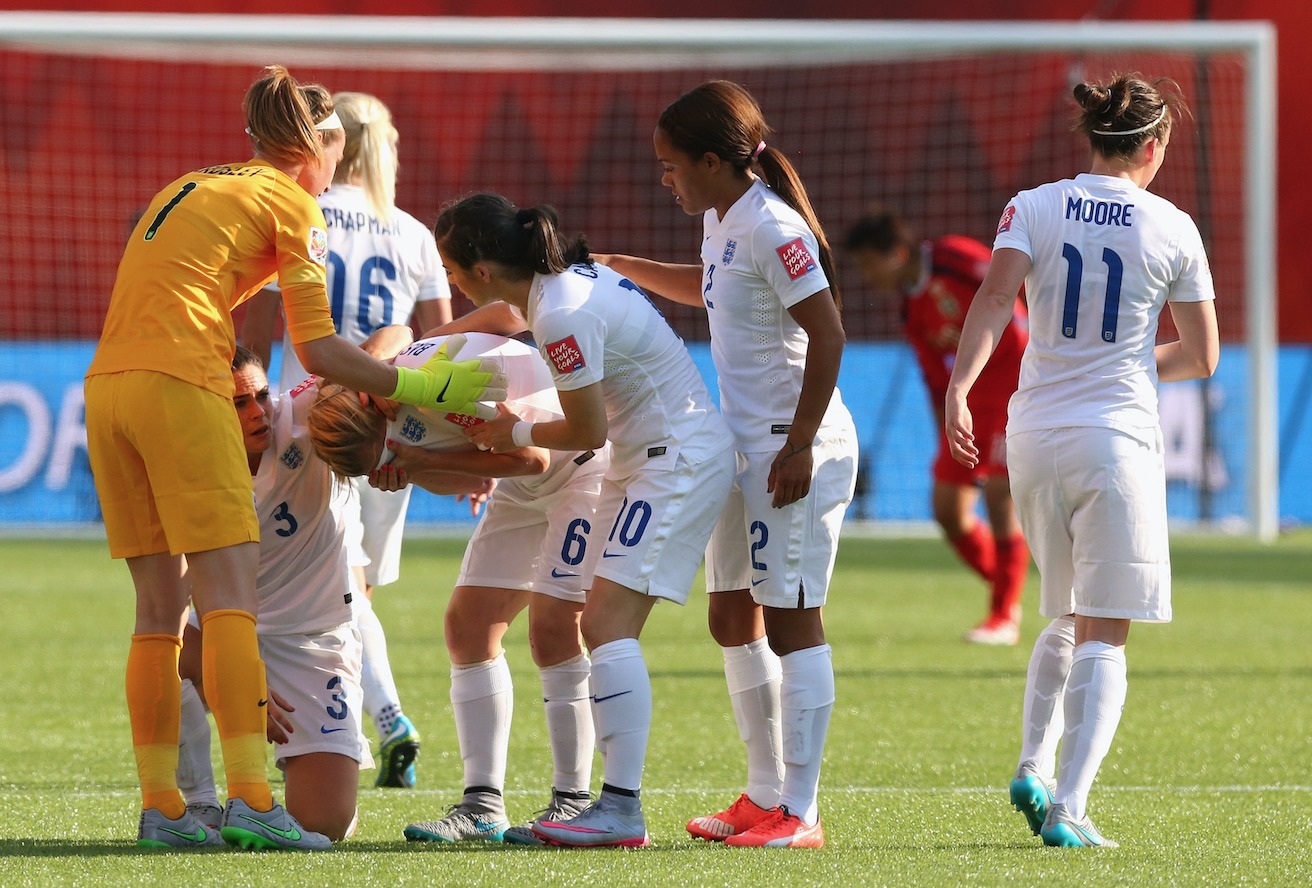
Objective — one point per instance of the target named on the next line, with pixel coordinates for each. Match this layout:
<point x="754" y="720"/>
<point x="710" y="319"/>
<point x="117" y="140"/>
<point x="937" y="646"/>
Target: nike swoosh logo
<point x="326" y="730"/>
<point x="596" y="699"/>
<point x="442" y="393"/>
<point x="292" y="835"/>
<point x="560" y="576"/>
<point x="198" y="837"/>
<point x="613" y="554"/>
<point x="262" y="703"/>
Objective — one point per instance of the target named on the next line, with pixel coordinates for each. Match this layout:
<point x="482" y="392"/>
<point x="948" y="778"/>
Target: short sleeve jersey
<point x="530" y="394"/>
<point x="205" y="244"/>
<point x="954" y="267"/>
<point x="304" y="579"/>
<point x="1107" y="255"/>
<point x="757" y="262"/>
<point x="594" y="326"/>
<point x="378" y="270"/>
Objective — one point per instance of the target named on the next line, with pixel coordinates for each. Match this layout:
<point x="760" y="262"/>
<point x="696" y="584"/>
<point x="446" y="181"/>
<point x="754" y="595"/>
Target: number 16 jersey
<point x="1107" y="255"/>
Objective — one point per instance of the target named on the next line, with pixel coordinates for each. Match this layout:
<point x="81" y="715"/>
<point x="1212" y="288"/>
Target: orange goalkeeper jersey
<point x="206" y="243"/>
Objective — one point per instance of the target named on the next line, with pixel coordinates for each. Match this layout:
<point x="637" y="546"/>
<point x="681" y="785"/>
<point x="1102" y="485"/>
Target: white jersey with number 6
<point x="377" y="270"/>
<point x="1107" y="255"/>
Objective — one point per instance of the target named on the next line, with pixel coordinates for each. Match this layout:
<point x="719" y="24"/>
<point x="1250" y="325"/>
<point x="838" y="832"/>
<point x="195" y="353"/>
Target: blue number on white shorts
<point x="335" y="685"/>
<point x="760" y="536"/>
<point x="576" y="541"/>
<point x="1111" y="302"/>
<point x="281" y="514"/>
<point x="634" y="517"/>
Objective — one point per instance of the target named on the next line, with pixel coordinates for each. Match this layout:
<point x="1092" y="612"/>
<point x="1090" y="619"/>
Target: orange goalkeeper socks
<point x="154" y="694"/>
<point x="237" y="695"/>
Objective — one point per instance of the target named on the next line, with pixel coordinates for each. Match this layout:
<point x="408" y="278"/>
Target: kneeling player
<point x="308" y="640"/>
<point x="528" y="551"/>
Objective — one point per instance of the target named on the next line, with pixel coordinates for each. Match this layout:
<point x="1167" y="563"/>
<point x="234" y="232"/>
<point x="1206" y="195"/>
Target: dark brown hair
<point x="1119" y="117"/>
<point x="880" y="230"/>
<point x="722" y="118"/>
<point x="488" y="227"/>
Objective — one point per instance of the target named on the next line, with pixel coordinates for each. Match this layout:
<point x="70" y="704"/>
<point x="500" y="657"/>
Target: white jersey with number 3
<point x="304" y="578"/>
<point x="1107" y="255"/>
<point x="760" y="260"/>
<point x="378" y="270"/>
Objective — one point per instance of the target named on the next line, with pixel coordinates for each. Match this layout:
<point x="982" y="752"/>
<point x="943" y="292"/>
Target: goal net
<point x="943" y="122"/>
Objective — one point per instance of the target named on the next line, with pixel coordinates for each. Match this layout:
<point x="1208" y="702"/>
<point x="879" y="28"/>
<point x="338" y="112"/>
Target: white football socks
<point x="1042" y="719"/>
<point x="1095" y="697"/>
<point x="565" y="695"/>
<point x="381" y="699"/>
<point x="195" y="770"/>
<point x="483" y="700"/>
<point x="806" y="702"/>
<point x="621" y="710"/>
<point x="753" y="674"/>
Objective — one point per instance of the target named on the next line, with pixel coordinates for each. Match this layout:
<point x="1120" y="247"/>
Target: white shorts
<point x="784" y="556"/>
<point x="319" y="674"/>
<point x="374" y="521"/>
<point x="1092" y="503"/>
<point x="536" y="543"/>
<point x="657" y="523"/>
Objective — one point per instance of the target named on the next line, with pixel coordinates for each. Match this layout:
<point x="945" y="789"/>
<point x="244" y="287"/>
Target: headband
<point x="1133" y="132"/>
<point x="331" y="122"/>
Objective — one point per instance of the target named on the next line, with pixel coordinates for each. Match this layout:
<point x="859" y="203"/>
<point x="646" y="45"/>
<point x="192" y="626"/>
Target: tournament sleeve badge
<point x="796" y="258"/>
<point x="319" y="245"/>
<point x="565" y="355"/>
<point x="1004" y="224"/>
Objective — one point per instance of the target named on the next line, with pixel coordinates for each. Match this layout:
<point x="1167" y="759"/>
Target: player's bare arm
<point x="677" y="283"/>
<point x="1195" y="354"/>
<point x="989" y="314"/>
<point x="495" y="317"/>
<point x="584" y="427"/>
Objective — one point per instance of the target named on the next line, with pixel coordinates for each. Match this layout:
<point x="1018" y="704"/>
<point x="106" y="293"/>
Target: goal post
<point x="942" y="120"/>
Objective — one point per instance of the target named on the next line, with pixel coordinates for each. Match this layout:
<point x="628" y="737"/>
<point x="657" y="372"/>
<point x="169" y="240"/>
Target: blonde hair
<point x="343" y="431"/>
<point x="370" y="153"/>
<point x="281" y="114"/>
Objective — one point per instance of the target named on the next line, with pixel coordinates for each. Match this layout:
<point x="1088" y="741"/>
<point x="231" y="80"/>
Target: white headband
<point x="332" y="121"/>
<point x="1133" y="132"/>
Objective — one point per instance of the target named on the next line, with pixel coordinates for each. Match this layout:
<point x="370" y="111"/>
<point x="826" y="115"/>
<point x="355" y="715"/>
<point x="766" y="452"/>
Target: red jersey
<point x="934" y="312"/>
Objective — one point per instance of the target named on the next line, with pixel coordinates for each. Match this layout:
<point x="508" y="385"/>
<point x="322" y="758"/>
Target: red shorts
<point x="991" y="437"/>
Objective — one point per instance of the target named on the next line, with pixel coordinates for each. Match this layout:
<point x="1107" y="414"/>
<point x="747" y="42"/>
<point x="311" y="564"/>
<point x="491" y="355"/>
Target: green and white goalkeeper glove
<point x="452" y="386"/>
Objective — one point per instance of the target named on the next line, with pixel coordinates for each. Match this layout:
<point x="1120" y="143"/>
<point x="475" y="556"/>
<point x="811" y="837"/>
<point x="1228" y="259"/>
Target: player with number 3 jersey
<point x="1100" y="257"/>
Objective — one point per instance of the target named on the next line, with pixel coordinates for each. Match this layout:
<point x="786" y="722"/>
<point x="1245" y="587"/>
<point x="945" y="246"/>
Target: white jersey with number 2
<point x="1107" y="255"/>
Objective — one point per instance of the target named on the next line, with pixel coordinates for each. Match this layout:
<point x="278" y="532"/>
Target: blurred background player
<point x="383" y="268"/>
<point x="308" y="638"/>
<point x="1100" y="256"/>
<point x="526" y="552"/>
<point x="766" y="282"/>
<point x="938" y="279"/>
<point x="173" y="484"/>
<point x="622" y="375"/>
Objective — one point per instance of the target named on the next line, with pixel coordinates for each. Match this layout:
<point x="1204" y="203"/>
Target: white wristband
<point x="522" y="434"/>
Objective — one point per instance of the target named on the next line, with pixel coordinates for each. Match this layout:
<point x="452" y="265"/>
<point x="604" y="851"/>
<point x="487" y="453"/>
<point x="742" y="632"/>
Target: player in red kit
<point x="938" y="279"/>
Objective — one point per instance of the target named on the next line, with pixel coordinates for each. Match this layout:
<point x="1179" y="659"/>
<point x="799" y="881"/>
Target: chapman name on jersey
<point x="1107" y="255"/>
<point x="378" y="270"/>
<point x="530" y="394"/>
<point x="592" y="326"/>
<point x="759" y="261"/>
<point x="304" y="581"/>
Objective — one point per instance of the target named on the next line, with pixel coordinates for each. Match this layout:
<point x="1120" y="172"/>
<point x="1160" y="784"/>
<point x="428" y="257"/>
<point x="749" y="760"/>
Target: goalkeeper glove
<point x="451" y="386"/>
